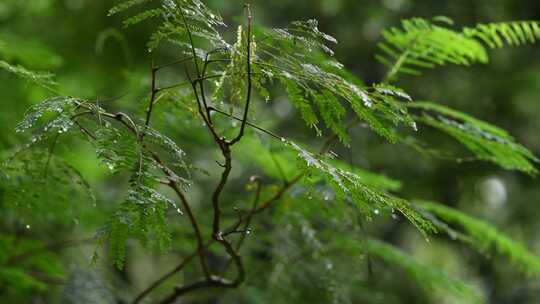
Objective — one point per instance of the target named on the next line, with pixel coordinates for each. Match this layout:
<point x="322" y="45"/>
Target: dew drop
<point x="28" y="227"/>
<point x="376" y="211"/>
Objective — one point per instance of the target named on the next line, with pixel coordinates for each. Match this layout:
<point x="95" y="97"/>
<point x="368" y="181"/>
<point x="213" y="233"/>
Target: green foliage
<point x="180" y="18"/>
<point x="482" y="236"/>
<point x="298" y="57"/>
<point x="123" y="6"/>
<point x="349" y="186"/>
<point x="321" y="204"/>
<point x="42" y="79"/>
<point x="422" y="43"/>
<point x="497" y="35"/>
<point x="487" y="142"/>
<point x="142" y="215"/>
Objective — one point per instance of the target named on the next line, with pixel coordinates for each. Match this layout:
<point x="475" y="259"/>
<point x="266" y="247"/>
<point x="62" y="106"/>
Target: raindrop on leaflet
<point x="28" y="227"/>
<point x="414" y="126"/>
<point x="376" y="211"/>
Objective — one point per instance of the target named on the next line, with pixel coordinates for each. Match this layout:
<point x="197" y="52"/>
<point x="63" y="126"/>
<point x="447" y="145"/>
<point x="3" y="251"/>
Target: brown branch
<point x="247" y="123"/>
<point x="175" y="62"/>
<point x="165" y="277"/>
<point x="200" y="243"/>
<point x="152" y="98"/>
<point x="256" y="200"/>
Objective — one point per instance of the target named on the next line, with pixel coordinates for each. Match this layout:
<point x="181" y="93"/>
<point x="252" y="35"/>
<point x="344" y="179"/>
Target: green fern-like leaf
<point x="483" y="236"/>
<point x="498" y="35"/>
<point x="178" y="16"/>
<point x="487" y="142"/>
<point x="421" y="43"/>
<point x="124" y="6"/>
<point x="370" y="200"/>
<point x="299" y="58"/>
<point x="45" y="80"/>
<point x="133" y="20"/>
<point x="142" y="216"/>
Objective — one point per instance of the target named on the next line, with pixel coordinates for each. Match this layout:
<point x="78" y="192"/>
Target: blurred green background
<point x="94" y="58"/>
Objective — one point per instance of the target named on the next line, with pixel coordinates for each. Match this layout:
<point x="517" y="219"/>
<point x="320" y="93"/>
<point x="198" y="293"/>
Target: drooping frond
<point x="422" y="43"/>
<point x="319" y="88"/>
<point x="180" y="18"/>
<point x="498" y="35"/>
<point x="59" y="108"/>
<point x="369" y="178"/>
<point x="429" y="277"/>
<point x="142" y="215"/>
<point x="42" y="79"/>
<point x="116" y="149"/>
<point x="350" y="186"/>
<point x="280" y="163"/>
<point x="483" y="236"/>
<point x="123" y="6"/>
<point x="487" y="142"/>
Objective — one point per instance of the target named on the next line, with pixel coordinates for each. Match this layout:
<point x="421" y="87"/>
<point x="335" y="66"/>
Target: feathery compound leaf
<point x="125" y="6"/>
<point x="497" y="35"/>
<point x="53" y="105"/>
<point x="487" y="142"/>
<point x="42" y="79"/>
<point x="142" y="216"/>
<point x="484" y="237"/>
<point x="133" y="20"/>
<point x="420" y="43"/>
<point x="60" y="108"/>
<point x="317" y="85"/>
<point x="347" y="185"/>
<point x="428" y="277"/>
<point x="116" y="148"/>
<point x="178" y="18"/>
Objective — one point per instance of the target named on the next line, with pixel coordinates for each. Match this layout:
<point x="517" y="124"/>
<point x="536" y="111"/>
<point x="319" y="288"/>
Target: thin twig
<point x="247" y="122"/>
